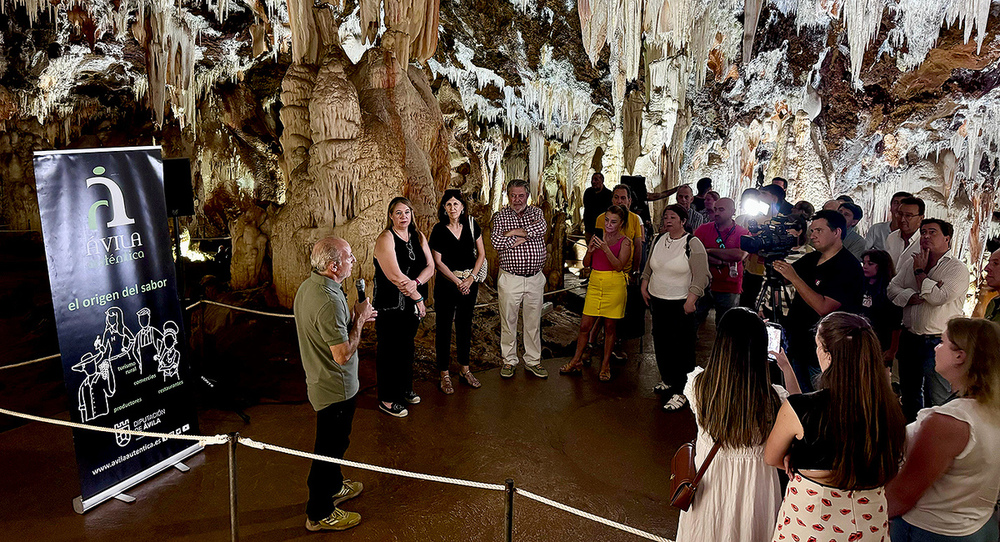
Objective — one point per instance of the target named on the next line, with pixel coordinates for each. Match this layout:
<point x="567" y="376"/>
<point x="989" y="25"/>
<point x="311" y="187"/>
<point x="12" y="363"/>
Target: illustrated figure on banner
<point x="98" y="385"/>
<point x="167" y="354"/>
<point x="148" y="340"/>
<point x="118" y="339"/>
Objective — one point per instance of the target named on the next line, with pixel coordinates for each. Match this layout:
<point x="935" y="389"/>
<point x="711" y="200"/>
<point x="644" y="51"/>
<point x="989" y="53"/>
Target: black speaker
<point x="177" y="188"/>
<point x="637" y="183"/>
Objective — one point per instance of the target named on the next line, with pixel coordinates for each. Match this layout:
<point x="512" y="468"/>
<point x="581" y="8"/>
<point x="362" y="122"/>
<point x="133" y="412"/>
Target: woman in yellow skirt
<point x="606" y="290"/>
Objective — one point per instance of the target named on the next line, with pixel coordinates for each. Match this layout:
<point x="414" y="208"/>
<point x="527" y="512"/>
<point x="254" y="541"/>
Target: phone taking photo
<point x="774" y="333"/>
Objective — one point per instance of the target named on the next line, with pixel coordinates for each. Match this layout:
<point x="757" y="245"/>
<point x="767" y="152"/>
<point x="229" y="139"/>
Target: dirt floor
<point x="601" y="447"/>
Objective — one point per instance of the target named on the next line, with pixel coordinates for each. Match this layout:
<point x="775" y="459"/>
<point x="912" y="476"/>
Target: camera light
<point x="755" y="207"/>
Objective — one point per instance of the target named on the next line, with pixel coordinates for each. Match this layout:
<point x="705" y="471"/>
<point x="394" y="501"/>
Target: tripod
<point x="774" y="290"/>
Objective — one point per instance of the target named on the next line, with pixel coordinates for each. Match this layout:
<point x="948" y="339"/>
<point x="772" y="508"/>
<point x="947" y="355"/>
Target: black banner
<point x="118" y="317"/>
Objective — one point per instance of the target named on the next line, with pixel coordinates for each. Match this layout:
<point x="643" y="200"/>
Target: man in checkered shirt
<point x="518" y="235"/>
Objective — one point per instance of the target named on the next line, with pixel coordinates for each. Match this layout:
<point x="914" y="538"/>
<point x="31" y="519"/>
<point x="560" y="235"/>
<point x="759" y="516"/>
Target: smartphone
<point x="599" y="234"/>
<point x="774" y="333"/>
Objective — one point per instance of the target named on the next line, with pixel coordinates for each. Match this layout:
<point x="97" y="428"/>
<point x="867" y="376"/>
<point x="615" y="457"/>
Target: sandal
<point x="469" y="379"/>
<point x="605" y="375"/>
<point x="575" y="369"/>
<point x="446" y="386"/>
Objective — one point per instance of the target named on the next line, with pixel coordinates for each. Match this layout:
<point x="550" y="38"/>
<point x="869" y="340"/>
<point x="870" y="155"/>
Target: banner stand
<point x="118" y="314"/>
<point x="81" y="506"/>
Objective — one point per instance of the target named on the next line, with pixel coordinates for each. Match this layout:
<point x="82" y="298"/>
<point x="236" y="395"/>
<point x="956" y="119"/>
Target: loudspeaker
<point x="638" y="185"/>
<point x="177" y="189"/>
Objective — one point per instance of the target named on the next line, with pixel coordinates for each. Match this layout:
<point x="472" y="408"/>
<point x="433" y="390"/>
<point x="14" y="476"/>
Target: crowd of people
<point x="816" y="414"/>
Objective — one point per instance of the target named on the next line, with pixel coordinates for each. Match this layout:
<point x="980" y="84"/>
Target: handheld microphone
<point x="360" y="285"/>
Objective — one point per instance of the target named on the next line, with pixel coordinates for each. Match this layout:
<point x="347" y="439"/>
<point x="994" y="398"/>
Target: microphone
<point x="360" y="285"/>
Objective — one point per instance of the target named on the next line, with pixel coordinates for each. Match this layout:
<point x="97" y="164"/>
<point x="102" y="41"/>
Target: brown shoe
<point x="469" y="379"/>
<point x="446" y="386"/>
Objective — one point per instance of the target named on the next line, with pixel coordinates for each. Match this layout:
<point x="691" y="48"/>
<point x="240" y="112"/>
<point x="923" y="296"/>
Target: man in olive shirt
<point x="328" y="343"/>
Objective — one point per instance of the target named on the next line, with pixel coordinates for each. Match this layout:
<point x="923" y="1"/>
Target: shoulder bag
<point x="484" y="269"/>
<point x="683" y="477"/>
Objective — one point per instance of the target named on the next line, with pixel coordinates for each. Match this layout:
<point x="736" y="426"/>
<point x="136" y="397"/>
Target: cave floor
<point x="601" y="447"/>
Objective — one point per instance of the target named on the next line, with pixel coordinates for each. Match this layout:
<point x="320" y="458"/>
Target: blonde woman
<point x="606" y="291"/>
<point x="949" y="484"/>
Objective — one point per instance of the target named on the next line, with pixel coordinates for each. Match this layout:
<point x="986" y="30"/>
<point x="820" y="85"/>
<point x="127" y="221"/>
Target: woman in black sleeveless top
<point x="403" y="266"/>
<point x="840" y="444"/>
<point x="457" y="245"/>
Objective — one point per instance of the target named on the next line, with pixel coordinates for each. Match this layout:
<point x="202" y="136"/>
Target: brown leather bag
<point x="683" y="478"/>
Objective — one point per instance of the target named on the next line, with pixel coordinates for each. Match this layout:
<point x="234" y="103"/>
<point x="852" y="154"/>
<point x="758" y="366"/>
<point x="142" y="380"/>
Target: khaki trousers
<point x="518" y="292"/>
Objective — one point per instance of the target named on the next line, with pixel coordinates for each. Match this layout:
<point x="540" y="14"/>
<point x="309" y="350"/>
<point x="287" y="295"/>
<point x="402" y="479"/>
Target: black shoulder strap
<point x="687" y="247"/>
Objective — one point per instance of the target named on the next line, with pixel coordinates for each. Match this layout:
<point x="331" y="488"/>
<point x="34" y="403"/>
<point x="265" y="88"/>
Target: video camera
<point x="771" y="240"/>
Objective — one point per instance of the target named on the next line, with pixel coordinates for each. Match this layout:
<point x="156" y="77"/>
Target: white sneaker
<point x="660" y="388"/>
<point x="676" y="402"/>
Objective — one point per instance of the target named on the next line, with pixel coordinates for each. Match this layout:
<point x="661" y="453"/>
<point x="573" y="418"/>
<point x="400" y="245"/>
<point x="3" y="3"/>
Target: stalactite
<point x="536" y="160"/>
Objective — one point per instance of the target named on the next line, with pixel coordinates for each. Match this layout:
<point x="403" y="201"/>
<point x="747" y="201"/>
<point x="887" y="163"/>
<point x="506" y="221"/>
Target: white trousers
<point x="517" y="292"/>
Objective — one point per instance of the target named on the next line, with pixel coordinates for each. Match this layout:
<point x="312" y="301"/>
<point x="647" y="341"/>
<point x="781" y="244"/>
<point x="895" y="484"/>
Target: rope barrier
<point x="23" y="363"/>
<point x="204" y="440"/>
<point x="592" y="517"/>
<point x="364" y="466"/>
<point x="208" y="440"/>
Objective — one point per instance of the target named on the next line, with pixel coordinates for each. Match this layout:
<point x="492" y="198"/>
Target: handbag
<point x="683" y="478"/>
<point x="483" y="269"/>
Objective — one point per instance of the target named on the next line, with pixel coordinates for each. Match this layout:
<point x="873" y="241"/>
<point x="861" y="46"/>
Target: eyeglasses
<point x="906" y="215"/>
<point x="720" y="242"/>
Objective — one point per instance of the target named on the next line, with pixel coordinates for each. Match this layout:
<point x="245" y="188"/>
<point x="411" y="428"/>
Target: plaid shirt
<point x="527" y="258"/>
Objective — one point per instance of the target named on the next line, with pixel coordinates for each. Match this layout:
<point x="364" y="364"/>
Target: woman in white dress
<point x="734" y="401"/>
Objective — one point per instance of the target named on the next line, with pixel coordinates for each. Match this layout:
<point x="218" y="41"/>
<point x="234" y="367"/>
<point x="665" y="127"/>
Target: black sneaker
<point x="411" y="397"/>
<point x="395" y="409"/>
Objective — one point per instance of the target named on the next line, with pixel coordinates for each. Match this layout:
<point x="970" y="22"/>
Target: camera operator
<point x="827" y="280"/>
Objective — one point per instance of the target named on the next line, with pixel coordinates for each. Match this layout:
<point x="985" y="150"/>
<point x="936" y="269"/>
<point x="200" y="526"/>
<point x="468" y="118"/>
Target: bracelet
<point x="421" y="300"/>
<point x="417" y="280"/>
<point x="918" y="271"/>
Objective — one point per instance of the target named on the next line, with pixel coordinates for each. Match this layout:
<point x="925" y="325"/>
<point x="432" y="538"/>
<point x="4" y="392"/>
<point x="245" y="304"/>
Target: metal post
<point x="510" y="510"/>
<point x="233" y="509"/>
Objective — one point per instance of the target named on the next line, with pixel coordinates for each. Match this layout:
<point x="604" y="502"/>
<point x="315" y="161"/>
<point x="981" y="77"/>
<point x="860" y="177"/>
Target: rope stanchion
<point x="23" y="363"/>
<point x="234" y="523"/>
<point x="592" y="517"/>
<point x="204" y="440"/>
<point x="364" y="466"/>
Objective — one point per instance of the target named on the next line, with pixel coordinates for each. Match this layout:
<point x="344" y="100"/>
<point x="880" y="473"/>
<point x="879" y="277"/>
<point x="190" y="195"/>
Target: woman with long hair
<point x="884" y="315"/>
<point x="676" y="275"/>
<point x="457" y="245"/>
<point x="403" y="265"/>
<point x="841" y="444"/>
<point x="950" y="482"/>
<point x="735" y="404"/>
<point x="606" y="255"/>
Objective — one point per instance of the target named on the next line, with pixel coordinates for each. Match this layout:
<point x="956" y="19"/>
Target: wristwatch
<point x="918" y="271"/>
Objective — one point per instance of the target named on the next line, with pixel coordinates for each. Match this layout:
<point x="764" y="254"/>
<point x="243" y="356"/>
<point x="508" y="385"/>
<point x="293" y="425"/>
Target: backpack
<point x="687" y="244"/>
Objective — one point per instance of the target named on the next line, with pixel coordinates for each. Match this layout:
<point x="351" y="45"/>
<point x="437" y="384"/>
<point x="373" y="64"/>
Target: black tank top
<point x="816" y="450"/>
<point x="411" y="261"/>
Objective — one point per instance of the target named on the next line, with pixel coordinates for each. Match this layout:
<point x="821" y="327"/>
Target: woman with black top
<point x="403" y="265"/>
<point x="841" y="444"/>
<point x="457" y="246"/>
<point x="884" y="315"/>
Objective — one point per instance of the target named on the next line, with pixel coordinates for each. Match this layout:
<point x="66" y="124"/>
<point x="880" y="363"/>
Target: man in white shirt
<point x="906" y="240"/>
<point x="930" y="286"/>
<point x="878" y="232"/>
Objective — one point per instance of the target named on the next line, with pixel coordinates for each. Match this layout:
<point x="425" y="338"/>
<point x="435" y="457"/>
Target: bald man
<point x="993" y="281"/>
<point x="721" y="238"/>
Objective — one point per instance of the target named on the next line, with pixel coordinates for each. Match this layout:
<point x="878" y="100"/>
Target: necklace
<point x="409" y="244"/>
<point x="670" y="240"/>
